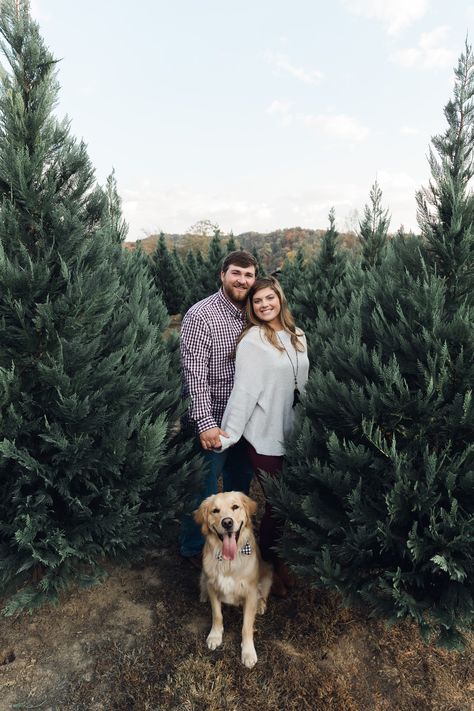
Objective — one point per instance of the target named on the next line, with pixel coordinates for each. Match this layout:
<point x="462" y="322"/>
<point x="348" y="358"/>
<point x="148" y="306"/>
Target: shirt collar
<point x="227" y="303"/>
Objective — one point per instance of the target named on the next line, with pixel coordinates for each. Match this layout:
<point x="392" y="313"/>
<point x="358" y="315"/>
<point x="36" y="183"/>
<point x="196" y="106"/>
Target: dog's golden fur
<point x="236" y="577"/>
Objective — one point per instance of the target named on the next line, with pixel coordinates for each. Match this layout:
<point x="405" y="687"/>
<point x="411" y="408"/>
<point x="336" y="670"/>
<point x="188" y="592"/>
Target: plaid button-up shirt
<point x="209" y="333"/>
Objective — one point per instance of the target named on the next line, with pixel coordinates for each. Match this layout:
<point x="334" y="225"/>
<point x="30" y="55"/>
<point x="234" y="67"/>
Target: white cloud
<point x="278" y="107"/>
<point x="396" y="181"/>
<point x="282" y="63"/>
<point x="339" y="126"/>
<point x="429" y="52"/>
<point x="281" y="110"/>
<point x="148" y="208"/>
<point x="394" y="14"/>
<point x="410" y="131"/>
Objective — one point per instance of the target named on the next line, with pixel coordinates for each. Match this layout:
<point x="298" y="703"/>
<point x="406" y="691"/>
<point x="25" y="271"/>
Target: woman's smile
<point x="267" y="307"/>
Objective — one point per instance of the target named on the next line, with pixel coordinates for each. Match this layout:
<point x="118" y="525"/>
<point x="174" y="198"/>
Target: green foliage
<point x="90" y="464"/>
<point x="293" y="274"/>
<point x="210" y="275"/>
<point x="317" y="294"/>
<point x="373" y="229"/>
<point x="378" y="494"/>
<point x="231" y="245"/>
<point x="169" y="275"/>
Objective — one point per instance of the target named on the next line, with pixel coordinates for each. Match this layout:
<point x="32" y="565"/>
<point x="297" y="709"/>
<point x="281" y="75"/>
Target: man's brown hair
<point x="240" y="258"/>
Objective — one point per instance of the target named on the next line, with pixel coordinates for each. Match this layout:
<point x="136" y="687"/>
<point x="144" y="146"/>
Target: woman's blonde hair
<point x="287" y="320"/>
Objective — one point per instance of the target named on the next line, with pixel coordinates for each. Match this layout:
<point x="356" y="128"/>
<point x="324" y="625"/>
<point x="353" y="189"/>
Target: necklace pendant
<point x="296" y="397"/>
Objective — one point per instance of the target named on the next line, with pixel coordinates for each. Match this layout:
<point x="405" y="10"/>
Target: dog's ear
<point x="200" y="515"/>
<point x="249" y="505"/>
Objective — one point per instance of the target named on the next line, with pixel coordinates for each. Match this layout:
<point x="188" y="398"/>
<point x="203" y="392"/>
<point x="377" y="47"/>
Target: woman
<point x="271" y="370"/>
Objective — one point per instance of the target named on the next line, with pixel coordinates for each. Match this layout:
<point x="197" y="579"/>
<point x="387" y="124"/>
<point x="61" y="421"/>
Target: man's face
<point x="236" y="282"/>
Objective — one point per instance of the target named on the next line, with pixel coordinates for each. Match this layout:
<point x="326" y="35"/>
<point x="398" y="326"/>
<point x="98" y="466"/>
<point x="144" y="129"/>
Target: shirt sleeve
<point x="195" y="343"/>
<point x="248" y="385"/>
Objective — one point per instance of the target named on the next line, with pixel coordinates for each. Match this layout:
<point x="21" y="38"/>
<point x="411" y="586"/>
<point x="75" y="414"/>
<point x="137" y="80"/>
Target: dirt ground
<point x="137" y="642"/>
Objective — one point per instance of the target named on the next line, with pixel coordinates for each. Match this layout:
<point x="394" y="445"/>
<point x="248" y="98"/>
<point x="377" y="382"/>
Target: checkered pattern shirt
<point x="209" y="333"/>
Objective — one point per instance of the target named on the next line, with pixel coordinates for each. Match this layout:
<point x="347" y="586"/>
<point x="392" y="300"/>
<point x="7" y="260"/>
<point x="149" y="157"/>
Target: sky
<point x="257" y="114"/>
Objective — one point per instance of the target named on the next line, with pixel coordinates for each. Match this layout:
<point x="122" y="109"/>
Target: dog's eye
<point x="215" y="510"/>
<point x="234" y="507"/>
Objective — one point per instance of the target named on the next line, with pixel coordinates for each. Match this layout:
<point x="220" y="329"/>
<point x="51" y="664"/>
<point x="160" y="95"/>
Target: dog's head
<point x="225" y="516"/>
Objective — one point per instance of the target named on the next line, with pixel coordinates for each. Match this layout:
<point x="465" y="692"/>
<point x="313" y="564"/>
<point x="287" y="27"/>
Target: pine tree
<point x="210" y="277"/>
<point x="169" y="277"/>
<point x="293" y="274"/>
<point x="231" y="244"/>
<point x="373" y="229"/>
<point x="316" y="295"/>
<point x="378" y="494"/>
<point x="89" y="461"/>
<point x="261" y="271"/>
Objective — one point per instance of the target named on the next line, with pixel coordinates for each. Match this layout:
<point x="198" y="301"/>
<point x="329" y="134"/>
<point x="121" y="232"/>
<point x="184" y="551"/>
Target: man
<point x="209" y="333"/>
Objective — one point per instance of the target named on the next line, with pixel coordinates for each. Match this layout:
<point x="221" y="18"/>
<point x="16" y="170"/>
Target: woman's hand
<point x="210" y="439"/>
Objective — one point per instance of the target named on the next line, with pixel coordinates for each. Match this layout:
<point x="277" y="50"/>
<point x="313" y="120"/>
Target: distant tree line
<point x="184" y="277"/>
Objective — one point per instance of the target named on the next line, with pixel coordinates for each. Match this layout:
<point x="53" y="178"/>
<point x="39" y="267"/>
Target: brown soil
<point x="137" y="642"/>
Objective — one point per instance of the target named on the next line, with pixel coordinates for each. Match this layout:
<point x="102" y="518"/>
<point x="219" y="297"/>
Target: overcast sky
<point x="257" y="114"/>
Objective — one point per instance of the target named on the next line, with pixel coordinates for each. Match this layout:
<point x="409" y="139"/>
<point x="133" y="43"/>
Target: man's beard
<point x="237" y="295"/>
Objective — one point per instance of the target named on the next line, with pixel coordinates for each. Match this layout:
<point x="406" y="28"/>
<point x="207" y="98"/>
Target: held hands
<point x="210" y="438"/>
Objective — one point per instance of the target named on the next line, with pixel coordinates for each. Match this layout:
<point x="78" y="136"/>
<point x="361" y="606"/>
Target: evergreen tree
<point x="373" y="229"/>
<point x="88" y="389"/>
<point x="378" y="494"/>
<point x="211" y="274"/>
<point x="261" y="271"/>
<point x="169" y="277"/>
<point x="292" y="275"/>
<point x="317" y="295"/>
<point x="201" y="288"/>
<point x="231" y="244"/>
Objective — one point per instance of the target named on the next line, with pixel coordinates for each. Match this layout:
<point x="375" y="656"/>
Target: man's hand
<point x="210" y="438"/>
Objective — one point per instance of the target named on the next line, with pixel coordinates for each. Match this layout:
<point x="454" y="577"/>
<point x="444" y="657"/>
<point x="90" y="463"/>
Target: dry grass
<point x="138" y="643"/>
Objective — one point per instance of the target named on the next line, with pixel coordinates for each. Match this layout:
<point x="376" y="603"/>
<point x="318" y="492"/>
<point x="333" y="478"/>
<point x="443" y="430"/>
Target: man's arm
<point x="195" y="357"/>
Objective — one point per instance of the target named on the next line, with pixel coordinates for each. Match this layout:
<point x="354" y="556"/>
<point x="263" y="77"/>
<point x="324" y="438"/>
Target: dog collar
<point x="245" y="550"/>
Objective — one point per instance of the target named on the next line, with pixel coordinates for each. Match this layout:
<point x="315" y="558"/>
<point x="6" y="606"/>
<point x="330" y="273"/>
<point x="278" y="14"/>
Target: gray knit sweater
<point x="260" y="406"/>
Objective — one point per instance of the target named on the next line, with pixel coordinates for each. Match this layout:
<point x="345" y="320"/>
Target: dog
<point x="232" y="568"/>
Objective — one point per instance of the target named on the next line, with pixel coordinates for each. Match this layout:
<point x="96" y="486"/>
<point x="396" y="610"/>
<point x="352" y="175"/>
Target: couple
<point x="243" y="365"/>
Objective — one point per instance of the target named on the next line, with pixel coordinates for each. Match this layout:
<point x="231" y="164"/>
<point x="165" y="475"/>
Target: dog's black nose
<point x="227" y="523"/>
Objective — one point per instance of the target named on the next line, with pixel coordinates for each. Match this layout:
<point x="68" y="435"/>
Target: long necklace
<point x="296" y="392"/>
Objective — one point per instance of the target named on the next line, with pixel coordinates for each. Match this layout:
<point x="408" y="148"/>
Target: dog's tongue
<point x="229" y="549"/>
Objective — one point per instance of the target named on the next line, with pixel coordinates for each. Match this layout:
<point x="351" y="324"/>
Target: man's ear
<point x="249" y="505"/>
<point x="200" y="515"/>
<point x="222" y="276"/>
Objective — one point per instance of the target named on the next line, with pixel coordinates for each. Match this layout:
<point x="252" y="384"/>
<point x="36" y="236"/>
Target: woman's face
<point x="267" y="307"/>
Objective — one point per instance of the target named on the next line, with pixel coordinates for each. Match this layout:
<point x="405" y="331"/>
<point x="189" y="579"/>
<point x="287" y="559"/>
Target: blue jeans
<point x="236" y="470"/>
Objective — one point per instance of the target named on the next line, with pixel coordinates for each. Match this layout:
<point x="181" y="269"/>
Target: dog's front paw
<point x="214" y="639"/>
<point x="249" y="656"/>
<point x="261" y="606"/>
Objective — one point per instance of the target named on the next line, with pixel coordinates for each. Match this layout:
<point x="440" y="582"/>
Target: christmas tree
<point x="89" y="459"/>
<point x="373" y="229"/>
<point x="169" y="276"/>
<point x="317" y="289"/>
<point x="292" y="275"/>
<point x="378" y="493"/>
<point x="210" y="276"/>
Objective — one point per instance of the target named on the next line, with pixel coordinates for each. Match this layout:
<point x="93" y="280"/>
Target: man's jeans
<point x="237" y="472"/>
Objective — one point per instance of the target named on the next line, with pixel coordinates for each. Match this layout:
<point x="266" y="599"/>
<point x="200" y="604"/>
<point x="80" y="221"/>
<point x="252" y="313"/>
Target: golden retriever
<point x="232" y="568"/>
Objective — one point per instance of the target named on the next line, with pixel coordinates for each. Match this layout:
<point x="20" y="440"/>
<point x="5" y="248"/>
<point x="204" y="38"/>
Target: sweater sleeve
<point x="248" y="385"/>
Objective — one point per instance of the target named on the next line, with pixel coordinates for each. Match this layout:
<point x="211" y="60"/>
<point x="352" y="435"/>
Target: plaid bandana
<point x="245" y="550"/>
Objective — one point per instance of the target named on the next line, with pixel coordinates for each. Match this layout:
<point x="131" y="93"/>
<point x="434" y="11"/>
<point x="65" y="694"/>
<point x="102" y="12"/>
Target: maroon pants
<point x="270" y="528"/>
